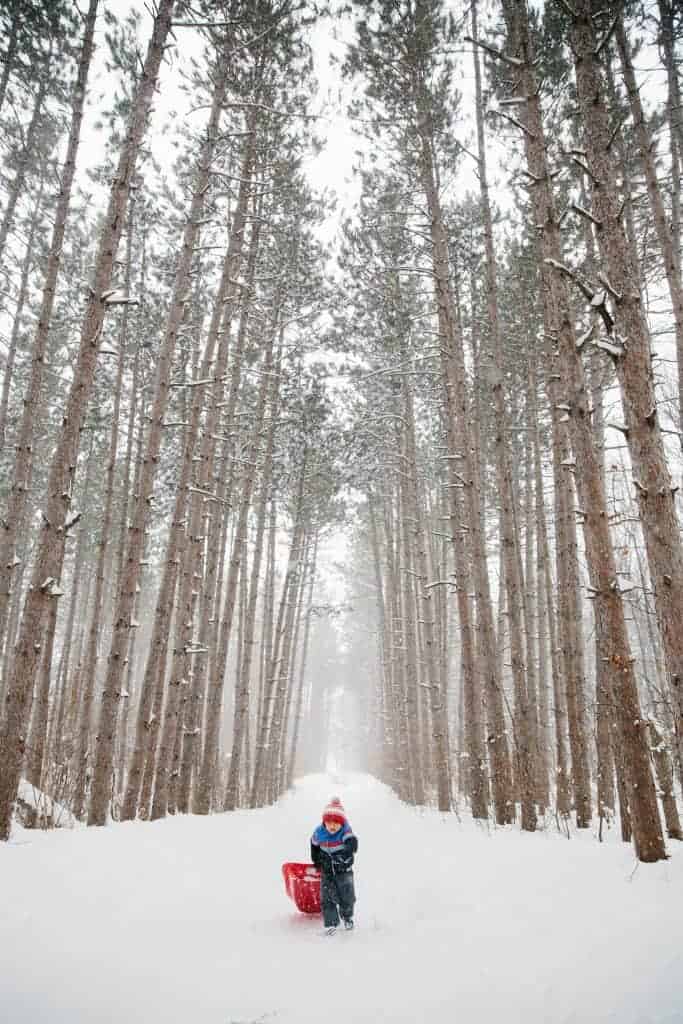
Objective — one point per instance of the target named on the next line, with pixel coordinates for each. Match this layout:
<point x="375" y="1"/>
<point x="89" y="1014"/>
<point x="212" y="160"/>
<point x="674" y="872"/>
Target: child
<point x="333" y="845"/>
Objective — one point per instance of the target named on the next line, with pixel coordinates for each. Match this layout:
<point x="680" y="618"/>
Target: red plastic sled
<point x="302" y="882"/>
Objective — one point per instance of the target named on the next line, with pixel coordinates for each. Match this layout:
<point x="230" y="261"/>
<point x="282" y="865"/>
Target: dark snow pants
<point x="337" y="891"/>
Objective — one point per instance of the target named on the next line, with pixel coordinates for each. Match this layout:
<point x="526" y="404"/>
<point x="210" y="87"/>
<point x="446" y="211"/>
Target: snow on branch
<point x="603" y="278"/>
<point x="585" y="288"/>
<point x="584" y="167"/>
<point x="616" y="351"/>
<point x="197" y="383"/>
<point x="514" y="121"/>
<point x="208" y="496"/>
<point x="513" y="101"/>
<point x="583" y="212"/>
<point x="115" y="297"/>
<point x="597" y="298"/>
<point x="51" y="587"/>
<point x="70" y="523"/>
<point x="514" y="62"/>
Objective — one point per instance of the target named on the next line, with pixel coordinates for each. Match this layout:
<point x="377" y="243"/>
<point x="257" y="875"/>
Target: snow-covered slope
<point x="186" y="921"/>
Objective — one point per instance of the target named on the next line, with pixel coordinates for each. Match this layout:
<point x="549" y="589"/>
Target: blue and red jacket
<point x="333" y="852"/>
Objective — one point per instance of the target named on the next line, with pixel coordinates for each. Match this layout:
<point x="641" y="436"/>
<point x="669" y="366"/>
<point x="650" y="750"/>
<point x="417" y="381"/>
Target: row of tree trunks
<point x="202" y="801"/>
<point x="629" y="332"/>
<point x="611" y="632"/>
<point x="19" y="491"/>
<point x="49" y="556"/>
<point x="125" y="599"/>
<point x="458" y="410"/>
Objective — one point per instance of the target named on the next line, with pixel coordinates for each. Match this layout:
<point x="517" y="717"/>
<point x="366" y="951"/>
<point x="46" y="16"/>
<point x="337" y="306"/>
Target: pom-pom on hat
<point x="334" y="811"/>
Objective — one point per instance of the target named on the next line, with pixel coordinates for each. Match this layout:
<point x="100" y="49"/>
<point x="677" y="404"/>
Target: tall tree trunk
<point x="37" y="739"/>
<point x="81" y="756"/>
<point x="402" y="780"/>
<point x="131" y="468"/>
<point x="284" y="643"/>
<point x="470" y="659"/>
<point x="425" y="605"/>
<point x="275" y="682"/>
<point x="388" y="724"/>
<point x="524" y="711"/>
<point x="280" y="775"/>
<point x="266" y="645"/>
<point x="410" y="668"/>
<point x="543" y="611"/>
<point x="562" y="798"/>
<point x="298" y="711"/>
<point x="665" y="779"/>
<point x="664" y="237"/>
<point x="573" y="650"/>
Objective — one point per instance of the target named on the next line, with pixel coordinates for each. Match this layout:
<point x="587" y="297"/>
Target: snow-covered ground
<point x="186" y="921"/>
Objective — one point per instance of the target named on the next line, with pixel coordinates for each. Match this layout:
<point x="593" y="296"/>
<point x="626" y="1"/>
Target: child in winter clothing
<point x="333" y="846"/>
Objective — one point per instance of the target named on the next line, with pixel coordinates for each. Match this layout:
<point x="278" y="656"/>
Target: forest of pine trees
<point x="472" y="389"/>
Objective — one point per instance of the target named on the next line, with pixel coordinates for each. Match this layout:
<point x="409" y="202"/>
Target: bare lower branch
<point x="512" y="61"/>
<point x="583" y="212"/>
<point x="515" y="122"/>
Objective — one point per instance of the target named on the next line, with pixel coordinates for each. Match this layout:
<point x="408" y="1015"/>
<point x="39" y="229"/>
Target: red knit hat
<point x="334" y="811"/>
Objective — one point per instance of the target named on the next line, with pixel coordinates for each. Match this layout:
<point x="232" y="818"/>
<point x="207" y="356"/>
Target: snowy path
<point x="186" y="922"/>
